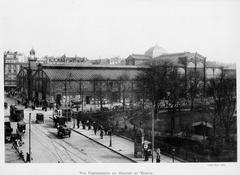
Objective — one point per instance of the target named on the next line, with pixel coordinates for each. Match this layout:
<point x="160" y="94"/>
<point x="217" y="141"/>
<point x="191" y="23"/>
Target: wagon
<point x="5" y="105"/>
<point x="39" y="118"/>
<point x="16" y="113"/>
<point x="59" y="120"/>
<point x="63" y="131"/>
<point x="8" y="130"/>
<point x="21" y="127"/>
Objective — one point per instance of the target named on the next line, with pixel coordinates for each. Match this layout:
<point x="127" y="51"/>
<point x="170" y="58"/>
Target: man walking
<point x="78" y="122"/>
<point x="158" y="159"/>
<point x="95" y="128"/>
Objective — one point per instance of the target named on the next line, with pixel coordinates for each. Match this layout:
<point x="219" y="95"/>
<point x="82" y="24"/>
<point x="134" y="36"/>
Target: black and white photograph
<point x="138" y="81"/>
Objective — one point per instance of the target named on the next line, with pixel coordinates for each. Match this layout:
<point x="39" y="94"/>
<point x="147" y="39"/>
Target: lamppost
<point x="152" y="131"/>
<point x="110" y="134"/>
<point x="29" y="137"/>
<point x="67" y="103"/>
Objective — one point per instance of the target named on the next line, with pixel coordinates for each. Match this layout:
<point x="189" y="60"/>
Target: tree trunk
<point x="172" y="124"/>
<point x="214" y="127"/>
<point x="101" y="104"/>
<point x="143" y="102"/>
<point x="155" y="110"/>
<point x="123" y="101"/>
<point x="192" y="99"/>
<point x="227" y="137"/>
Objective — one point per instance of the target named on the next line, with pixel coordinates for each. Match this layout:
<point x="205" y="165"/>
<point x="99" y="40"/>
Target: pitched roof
<point x="90" y="66"/>
<point x="90" y="73"/>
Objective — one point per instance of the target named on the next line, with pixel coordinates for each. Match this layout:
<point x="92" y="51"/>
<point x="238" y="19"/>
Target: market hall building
<point x="94" y="84"/>
<point x="89" y="83"/>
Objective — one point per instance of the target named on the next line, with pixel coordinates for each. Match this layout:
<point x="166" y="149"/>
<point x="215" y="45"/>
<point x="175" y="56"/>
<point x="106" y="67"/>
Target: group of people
<point x="96" y="126"/>
<point x="42" y="103"/>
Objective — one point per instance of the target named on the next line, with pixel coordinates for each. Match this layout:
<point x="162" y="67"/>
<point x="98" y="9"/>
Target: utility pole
<point x="110" y="134"/>
<point x="65" y="92"/>
<point x="29" y="137"/>
<point x="66" y="100"/>
<point x="152" y="131"/>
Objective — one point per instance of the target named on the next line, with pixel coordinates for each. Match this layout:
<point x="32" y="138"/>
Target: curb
<point x="105" y="146"/>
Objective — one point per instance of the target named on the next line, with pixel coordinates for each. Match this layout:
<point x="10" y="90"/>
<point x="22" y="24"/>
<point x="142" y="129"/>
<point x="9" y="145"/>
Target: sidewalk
<point x="11" y="155"/>
<point x="120" y="145"/>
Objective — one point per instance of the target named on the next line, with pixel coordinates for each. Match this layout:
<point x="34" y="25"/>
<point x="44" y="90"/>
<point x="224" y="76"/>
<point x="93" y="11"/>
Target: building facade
<point x="12" y="65"/>
<point x="92" y="84"/>
<point x="63" y="60"/>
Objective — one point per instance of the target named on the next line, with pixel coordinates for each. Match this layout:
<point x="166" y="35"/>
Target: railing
<point x="180" y="152"/>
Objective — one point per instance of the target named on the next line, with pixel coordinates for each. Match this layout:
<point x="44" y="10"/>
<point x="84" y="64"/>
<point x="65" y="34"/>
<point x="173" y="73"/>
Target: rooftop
<point x="85" y="74"/>
<point x="155" y="51"/>
<point x="96" y="66"/>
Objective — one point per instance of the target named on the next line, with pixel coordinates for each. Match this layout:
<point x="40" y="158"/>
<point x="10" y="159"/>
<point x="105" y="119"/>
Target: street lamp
<point x="110" y="134"/>
<point x="152" y="131"/>
<point x="29" y="137"/>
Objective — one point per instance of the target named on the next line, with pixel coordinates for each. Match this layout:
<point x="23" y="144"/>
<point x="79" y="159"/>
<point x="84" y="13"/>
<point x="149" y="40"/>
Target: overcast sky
<point x="107" y="28"/>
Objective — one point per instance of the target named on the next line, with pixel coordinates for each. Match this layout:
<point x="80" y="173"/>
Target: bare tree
<point x="98" y="90"/>
<point x="163" y="82"/>
<point x="193" y="86"/>
<point x="122" y="82"/>
<point x="153" y="81"/>
<point x="175" y="93"/>
<point x="223" y="91"/>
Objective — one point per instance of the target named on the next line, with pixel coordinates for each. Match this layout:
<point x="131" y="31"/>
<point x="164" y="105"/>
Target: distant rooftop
<point x="75" y="65"/>
<point x="155" y="51"/>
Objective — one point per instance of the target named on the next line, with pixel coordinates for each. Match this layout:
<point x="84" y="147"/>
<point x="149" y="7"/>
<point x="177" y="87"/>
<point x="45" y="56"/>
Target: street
<point x="46" y="147"/>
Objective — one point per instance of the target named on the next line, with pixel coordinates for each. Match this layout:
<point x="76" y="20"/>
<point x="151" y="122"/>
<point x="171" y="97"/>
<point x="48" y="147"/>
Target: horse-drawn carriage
<point x="60" y="124"/>
<point x="63" y="130"/>
<point x="5" y="105"/>
<point x="8" y="130"/>
<point x="21" y="128"/>
<point x="16" y="113"/>
<point x="39" y="118"/>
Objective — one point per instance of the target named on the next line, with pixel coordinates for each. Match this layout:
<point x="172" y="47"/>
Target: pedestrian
<point x="101" y="133"/>
<point x="106" y="130"/>
<point x="21" y="155"/>
<point x="73" y="122"/>
<point x="95" y="128"/>
<point x="90" y="124"/>
<point x="87" y="123"/>
<point x="78" y="122"/>
<point x="145" y="151"/>
<point x="158" y="159"/>
<point x="28" y="157"/>
<point x="83" y="124"/>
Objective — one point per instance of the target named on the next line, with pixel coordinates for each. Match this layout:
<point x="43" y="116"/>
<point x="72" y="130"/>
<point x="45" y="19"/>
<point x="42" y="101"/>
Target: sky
<point x="108" y="28"/>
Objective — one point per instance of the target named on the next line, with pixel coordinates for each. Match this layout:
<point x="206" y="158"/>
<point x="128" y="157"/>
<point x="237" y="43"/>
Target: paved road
<point x="48" y="148"/>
